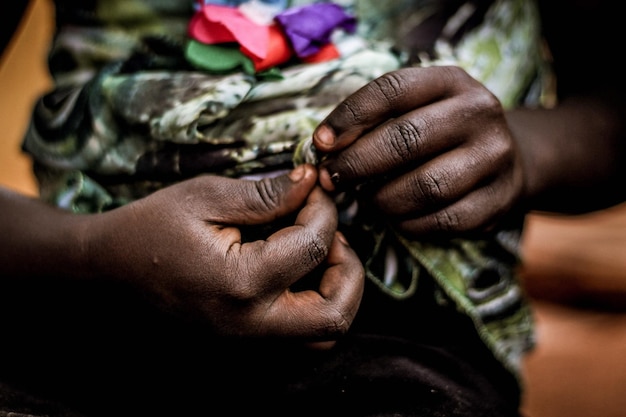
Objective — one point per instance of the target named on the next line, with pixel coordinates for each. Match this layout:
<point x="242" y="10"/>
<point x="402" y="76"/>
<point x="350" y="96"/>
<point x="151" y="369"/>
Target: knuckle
<point x="405" y="137"/>
<point x="269" y="196"/>
<point x="488" y="100"/>
<point x="447" y="220"/>
<point x="484" y="102"/>
<point x="455" y="75"/>
<point x="430" y="187"/>
<point x="483" y="97"/>
<point x="390" y="86"/>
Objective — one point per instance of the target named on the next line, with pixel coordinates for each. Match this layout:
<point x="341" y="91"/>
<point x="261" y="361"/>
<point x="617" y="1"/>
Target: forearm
<point x="571" y="154"/>
<point x="39" y="240"/>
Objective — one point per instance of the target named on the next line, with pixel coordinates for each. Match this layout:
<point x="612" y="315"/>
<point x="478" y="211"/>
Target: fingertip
<point x="326" y="180"/>
<point x="303" y="173"/>
<point x="297" y="173"/>
<point x="324" y="137"/>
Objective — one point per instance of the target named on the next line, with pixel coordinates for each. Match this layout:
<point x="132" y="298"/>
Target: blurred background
<point x="23" y="77"/>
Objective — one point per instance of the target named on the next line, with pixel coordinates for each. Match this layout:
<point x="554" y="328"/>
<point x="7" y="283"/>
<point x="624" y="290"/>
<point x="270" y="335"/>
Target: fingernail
<point x="297" y="173"/>
<point x="325" y="135"/>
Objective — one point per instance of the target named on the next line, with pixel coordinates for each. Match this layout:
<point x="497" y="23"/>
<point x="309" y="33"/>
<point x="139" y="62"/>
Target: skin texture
<point x="187" y="255"/>
<point x="440" y="140"/>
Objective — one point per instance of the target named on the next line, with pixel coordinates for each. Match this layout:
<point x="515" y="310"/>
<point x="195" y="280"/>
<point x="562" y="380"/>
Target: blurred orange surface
<point x="23" y="77"/>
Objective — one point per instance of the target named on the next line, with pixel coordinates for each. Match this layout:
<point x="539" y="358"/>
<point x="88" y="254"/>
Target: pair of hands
<point x="438" y="138"/>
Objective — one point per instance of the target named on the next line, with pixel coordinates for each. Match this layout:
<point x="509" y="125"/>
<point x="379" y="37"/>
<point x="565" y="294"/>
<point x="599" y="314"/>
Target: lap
<point x="102" y="359"/>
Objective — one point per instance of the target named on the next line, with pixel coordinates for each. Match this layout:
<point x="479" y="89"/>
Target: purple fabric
<point x="310" y="27"/>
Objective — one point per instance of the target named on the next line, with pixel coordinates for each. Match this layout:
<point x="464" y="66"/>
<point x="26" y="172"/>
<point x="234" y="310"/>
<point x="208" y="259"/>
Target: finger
<point x="325" y="314"/>
<point x="291" y="252"/>
<point x="475" y="212"/>
<point x="398" y="144"/>
<point x="387" y="97"/>
<point x="438" y="182"/>
<point x="247" y="202"/>
<point x="343" y="282"/>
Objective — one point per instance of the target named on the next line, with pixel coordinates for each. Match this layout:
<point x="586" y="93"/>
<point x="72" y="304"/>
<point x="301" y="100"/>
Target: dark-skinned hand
<point x="182" y="247"/>
<point x="437" y="143"/>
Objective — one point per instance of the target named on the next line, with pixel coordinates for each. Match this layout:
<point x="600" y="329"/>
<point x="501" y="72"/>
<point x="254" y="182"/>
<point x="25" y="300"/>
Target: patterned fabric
<point x="130" y="115"/>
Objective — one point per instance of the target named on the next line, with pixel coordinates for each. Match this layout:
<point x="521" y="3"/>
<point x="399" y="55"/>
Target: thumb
<point x="249" y="202"/>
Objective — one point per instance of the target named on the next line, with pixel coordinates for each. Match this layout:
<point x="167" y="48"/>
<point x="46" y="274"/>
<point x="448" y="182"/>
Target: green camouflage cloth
<point x="130" y="115"/>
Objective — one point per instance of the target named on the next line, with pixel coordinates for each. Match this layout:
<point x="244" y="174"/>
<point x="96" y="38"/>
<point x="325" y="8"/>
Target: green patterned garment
<point x="130" y="115"/>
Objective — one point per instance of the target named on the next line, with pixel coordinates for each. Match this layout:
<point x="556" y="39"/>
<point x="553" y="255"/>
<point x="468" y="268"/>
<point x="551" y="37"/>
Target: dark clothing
<point x="77" y="350"/>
